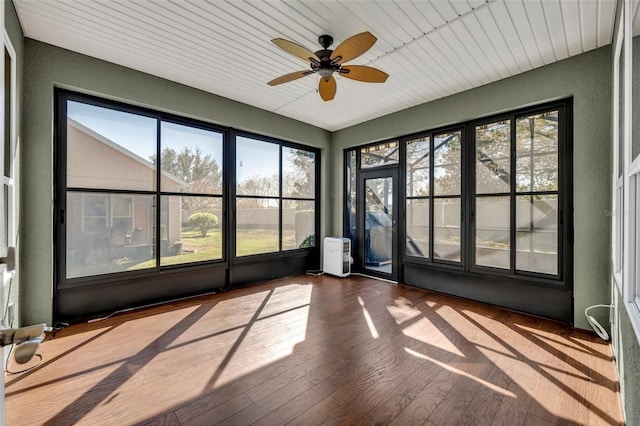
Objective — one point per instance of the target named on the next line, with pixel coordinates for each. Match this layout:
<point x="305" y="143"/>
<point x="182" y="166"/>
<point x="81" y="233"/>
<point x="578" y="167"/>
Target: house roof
<point x="430" y="49"/>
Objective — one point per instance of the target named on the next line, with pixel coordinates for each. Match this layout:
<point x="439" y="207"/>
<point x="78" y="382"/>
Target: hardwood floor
<point x="312" y="350"/>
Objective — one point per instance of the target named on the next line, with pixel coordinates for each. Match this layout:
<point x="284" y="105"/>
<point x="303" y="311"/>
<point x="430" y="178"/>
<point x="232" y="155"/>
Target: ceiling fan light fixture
<point x="325" y="72"/>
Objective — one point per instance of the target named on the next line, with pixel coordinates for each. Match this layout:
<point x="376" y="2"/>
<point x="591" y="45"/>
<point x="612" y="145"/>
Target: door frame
<point x="359" y="258"/>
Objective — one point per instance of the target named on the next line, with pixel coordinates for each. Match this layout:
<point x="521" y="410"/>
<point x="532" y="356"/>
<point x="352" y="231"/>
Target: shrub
<point x="203" y="221"/>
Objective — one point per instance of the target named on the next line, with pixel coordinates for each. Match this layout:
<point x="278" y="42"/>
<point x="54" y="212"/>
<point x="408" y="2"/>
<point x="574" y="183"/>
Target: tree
<point x="257" y="185"/>
<point x="536" y="155"/>
<point x="418" y="152"/>
<point x="493" y="158"/>
<point x="199" y="170"/>
<point x="300" y="182"/>
<point x="447" y="164"/>
<point x="203" y="221"/>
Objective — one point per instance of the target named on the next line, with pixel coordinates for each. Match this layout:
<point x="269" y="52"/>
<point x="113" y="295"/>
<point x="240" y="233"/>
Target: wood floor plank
<point x="481" y="410"/>
<point x="514" y="407"/>
<point x="421" y="408"/>
<point x="532" y="420"/>
<point x="318" y="350"/>
<point x="401" y="396"/>
<point x="220" y="412"/>
<point x="169" y="419"/>
<point x="453" y="406"/>
<point x="257" y="410"/>
<point x="298" y="405"/>
<point x="318" y="413"/>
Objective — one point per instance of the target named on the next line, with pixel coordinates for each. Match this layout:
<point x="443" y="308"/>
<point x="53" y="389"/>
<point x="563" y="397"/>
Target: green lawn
<point x="196" y="248"/>
<point x="254" y="241"/>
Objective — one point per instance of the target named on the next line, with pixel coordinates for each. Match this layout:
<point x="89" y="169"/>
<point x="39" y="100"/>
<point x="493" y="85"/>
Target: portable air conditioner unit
<point x="337" y="256"/>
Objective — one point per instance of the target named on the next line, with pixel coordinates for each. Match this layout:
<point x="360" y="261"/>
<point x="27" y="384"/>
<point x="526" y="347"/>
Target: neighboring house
<point x="108" y="219"/>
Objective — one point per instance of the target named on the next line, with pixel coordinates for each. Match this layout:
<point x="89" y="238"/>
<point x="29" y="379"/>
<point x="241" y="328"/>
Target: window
<point x="418" y="224"/>
<point x="114" y="187"/>
<point x="191" y="182"/>
<point x="257" y="197"/>
<point x="537" y="193"/>
<point x="630" y="101"/>
<point x="275" y="197"/>
<point x="94" y="212"/>
<point x="433" y="196"/>
<point x="8" y="84"/>
<point x="618" y="178"/>
<point x="515" y="205"/>
<point x="492" y="194"/>
<point x="379" y="155"/>
<point x="7" y="152"/>
<point x="488" y="196"/>
<point x="100" y="212"/>
<point x="121" y="210"/>
<point x="146" y="207"/>
<point x="634" y="297"/>
<point x="625" y="205"/>
<point x="447" y="196"/>
<point x="298" y="198"/>
<point x="110" y="149"/>
<point x="350" y="202"/>
<point x="110" y="179"/>
<point x="143" y="191"/>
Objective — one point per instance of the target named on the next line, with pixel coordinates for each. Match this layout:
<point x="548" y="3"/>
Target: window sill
<point x="552" y="282"/>
<point x="96" y="280"/>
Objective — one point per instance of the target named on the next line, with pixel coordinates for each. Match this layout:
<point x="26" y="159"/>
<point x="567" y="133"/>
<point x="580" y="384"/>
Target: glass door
<point x="378" y="211"/>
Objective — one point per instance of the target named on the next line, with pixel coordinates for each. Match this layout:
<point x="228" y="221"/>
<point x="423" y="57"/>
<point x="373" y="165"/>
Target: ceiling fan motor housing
<point x="327" y="66"/>
<point x="325" y="40"/>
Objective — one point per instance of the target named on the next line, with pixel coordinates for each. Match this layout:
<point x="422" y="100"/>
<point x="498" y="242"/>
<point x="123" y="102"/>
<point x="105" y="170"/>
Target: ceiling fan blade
<point x="295" y="49"/>
<point x="364" y="73"/>
<point x="327" y="88"/>
<point x="289" y="77"/>
<point x="353" y="47"/>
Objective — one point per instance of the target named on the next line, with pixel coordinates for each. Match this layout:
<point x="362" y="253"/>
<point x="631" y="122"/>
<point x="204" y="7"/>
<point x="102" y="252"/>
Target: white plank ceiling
<point x="430" y="49"/>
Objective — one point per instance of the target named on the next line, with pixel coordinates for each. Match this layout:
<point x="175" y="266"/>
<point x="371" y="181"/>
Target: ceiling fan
<point x="326" y="61"/>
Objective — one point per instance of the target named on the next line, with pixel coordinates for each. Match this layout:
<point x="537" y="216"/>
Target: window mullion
<point x="280" y="204"/>
<point x="431" y="190"/>
<point x="512" y="196"/>
<point x="158" y="201"/>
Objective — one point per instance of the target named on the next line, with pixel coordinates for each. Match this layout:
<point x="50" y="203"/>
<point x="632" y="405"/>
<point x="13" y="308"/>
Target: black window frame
<point x="280" y="197"/>
<point x="223" y="196"/>
<point x="187" y="278"/>
<point x="431" y="134"/>
<point x="60" y="181"/>
<point x="564" y="278"/>
<point x="563" y="192"/>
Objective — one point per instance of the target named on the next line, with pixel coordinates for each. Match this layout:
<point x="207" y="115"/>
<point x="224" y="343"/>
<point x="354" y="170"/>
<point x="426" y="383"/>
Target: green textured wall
<point x="48" y="67"/>
<point x="587" y="78"/>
